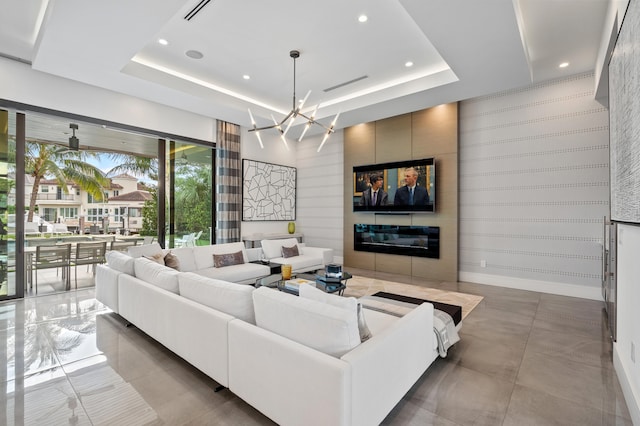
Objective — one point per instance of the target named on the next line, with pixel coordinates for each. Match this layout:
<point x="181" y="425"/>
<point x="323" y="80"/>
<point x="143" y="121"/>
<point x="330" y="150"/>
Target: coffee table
<point x="276" y="281"/>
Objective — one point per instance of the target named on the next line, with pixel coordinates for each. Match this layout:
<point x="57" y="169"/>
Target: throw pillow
<point x="348" y="303"/>
<point x="290" y="251"/>
<point x="158" y="258"/>
<point x="171" y="260"/>
<point x="228" y="259"/>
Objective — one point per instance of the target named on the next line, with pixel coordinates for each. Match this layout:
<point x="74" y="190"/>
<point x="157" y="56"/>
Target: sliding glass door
<point x="190" y="194"/>
<point x="8" y="289"/>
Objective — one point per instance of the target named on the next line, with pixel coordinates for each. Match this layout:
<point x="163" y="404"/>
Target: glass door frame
<point x="20" y="136"/>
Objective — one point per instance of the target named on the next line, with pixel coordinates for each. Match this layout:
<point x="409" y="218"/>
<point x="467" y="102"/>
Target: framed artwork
<point x="268" y="191"/>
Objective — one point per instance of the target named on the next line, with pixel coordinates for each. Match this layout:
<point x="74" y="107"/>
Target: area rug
<point x="364" y="286"/>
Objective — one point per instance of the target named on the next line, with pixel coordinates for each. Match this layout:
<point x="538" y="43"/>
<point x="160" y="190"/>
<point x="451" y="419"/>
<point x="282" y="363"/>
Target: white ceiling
<point x="460" y="49"/>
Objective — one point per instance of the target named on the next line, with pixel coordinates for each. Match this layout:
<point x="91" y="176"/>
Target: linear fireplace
<point x="420" y="241"/>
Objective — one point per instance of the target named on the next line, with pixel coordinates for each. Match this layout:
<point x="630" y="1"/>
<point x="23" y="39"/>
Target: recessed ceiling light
<point x="363" y="18"/>
<point x="163" y="41"/>
<point x="246" y="77"/>
<point x="408" y="64"/>
<point x="194" y="54"/>
<point x="563" y="65"/>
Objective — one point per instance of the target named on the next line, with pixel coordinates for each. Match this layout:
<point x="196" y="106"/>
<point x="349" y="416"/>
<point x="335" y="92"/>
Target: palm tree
<point x="138" y="166"/>
<point x="44" y="160"/>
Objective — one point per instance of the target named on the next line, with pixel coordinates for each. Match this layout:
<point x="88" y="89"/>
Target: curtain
<point x="228" y="183"/>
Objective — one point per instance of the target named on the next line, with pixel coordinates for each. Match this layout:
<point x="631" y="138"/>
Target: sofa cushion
<point x="290" y="251"/>
<point x="300" y="263"/>
<point x="185" y="258"/>
<point x="317" y="325"/>
<point x="145" y="250"/>
<point x="349" y="303"/>
<point x="156" y="274"/>
<point x="310" y="292"/>
<point x="120" y="262"/>
<point x="228" y="259"/>
<point x="273" y="248"/>
<point x="223" y="296"/>
<point x="203" y="255"/>
<point x="236" y="273"/>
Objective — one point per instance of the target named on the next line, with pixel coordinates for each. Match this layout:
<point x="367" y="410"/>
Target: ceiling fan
<point x="74" y="142"/>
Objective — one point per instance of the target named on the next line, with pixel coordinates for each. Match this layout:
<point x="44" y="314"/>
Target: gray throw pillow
<point x="290" y="251"/>
<point x="228" y="259"/>
<point x="158" y="258"/>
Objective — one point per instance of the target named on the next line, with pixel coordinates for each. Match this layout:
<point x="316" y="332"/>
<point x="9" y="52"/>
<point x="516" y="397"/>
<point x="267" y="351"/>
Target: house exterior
<point x="121" y="209"/>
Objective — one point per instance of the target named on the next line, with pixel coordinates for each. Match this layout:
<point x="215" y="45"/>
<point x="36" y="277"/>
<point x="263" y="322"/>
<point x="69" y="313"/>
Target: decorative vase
<point x="292" y="227"/>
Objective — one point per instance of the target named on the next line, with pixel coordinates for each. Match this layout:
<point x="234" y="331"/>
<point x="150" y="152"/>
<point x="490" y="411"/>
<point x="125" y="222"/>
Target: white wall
<point x="19" y="83"/>
<point x="628" y="331"/>
<point x="319" y="186"/>
<point x="534" y="187"/>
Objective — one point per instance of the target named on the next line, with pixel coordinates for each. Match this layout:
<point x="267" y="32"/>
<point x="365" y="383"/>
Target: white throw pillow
<point x="230" y="298"/>
<point x="348" y="303"/>
<point x="156" y="274"/>
<point x="273" y="248"/>
<point x="310" y="292"/>
<point x="120" y="262"/>
<point x="318" y="325"/>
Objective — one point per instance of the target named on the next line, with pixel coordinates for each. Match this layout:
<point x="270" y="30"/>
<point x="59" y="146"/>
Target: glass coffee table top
<point x="330" y="285"/>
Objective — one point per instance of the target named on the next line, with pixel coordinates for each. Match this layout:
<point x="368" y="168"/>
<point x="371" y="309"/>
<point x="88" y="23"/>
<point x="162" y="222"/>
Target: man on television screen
<point x="375" y="195"/>
<point x="411" y="194"/>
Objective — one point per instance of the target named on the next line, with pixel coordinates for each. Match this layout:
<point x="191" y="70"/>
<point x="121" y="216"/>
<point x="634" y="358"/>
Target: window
<point x="49" y="214"/>
<point x="135" y="212"/>
<point x="95" y="215"/>
<point x="44" y="189"/>
<point x="59" y="193"/>
<point x="69" y="212"/>
<point x="116" y="193"/>
<point x="119" y="213"/>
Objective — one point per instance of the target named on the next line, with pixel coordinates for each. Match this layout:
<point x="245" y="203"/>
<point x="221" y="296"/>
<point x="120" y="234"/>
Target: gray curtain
<point x="228" y="183"/>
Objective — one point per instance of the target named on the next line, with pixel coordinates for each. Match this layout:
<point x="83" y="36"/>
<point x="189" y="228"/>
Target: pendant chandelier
<point x="285" y="124"/>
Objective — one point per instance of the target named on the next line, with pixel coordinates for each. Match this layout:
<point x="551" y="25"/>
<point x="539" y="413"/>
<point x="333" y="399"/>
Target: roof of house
<point x="133" y="196"/>
<point x="124" y="176"/>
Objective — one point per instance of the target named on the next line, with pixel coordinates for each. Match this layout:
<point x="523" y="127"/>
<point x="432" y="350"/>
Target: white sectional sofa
<point x="308" y="259"/>
<point x="295" y="359"/>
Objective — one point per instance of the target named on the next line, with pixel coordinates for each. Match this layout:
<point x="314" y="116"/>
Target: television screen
<point x="399" y="187"/>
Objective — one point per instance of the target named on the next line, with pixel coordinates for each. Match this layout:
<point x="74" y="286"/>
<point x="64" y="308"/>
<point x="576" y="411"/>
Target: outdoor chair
<point x="148" y="240"/>
<point x="91" y="253"/>
<point x="196" y="238"/>
<point x="186" y="240"/>
<point x="122" y="245"/>
<point x="49" y="257"/>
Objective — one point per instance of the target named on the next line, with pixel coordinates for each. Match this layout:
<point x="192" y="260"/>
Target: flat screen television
<point x="398" y="187"/>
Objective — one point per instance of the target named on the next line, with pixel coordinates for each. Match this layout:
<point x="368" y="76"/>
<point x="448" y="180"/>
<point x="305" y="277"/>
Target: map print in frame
<point x="268" y="191"/>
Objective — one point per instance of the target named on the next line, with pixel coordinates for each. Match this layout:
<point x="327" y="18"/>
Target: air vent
<point x="346" y="83"/>
<point x="196" y="9"/>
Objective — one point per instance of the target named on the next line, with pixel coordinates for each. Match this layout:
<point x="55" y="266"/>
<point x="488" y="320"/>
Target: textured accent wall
<point x="432" y="132"/>
<point x="320" y="192"/>
<point x="624" y="101"/>
<point x="534" y="186"/>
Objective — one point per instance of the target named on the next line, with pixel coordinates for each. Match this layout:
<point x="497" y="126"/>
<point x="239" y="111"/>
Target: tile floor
<point x="525" y="358"/>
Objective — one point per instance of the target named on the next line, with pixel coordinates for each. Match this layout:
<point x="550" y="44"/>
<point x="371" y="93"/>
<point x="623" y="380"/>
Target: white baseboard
<point x="632" y="400"/>
<point x="563" y="289"/>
